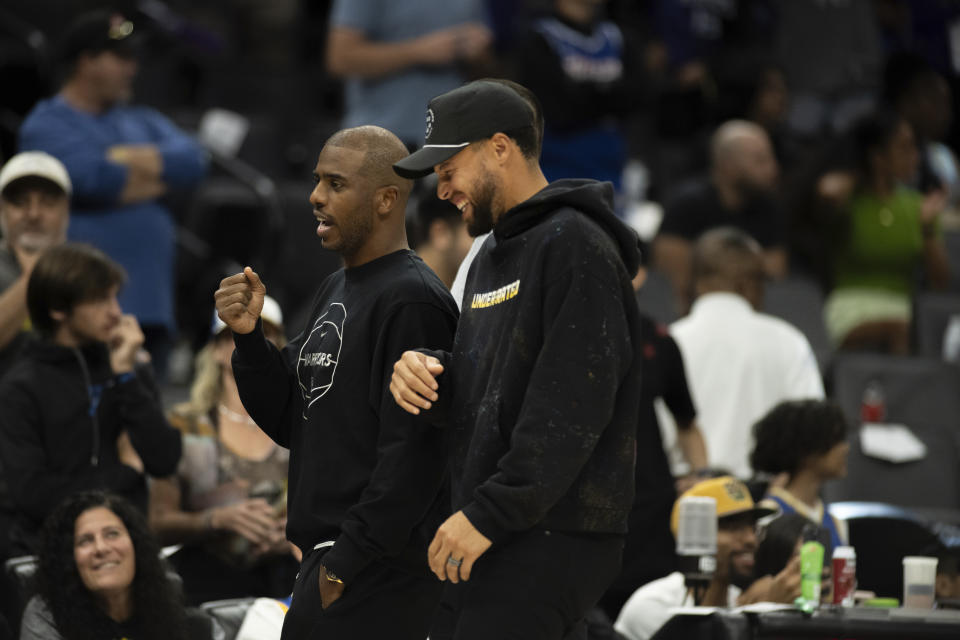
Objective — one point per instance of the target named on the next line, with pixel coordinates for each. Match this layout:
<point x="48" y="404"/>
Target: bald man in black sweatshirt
<point x="367" y="480"/>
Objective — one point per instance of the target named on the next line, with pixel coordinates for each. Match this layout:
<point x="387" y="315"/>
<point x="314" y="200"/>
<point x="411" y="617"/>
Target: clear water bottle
<point x="873" y="407"/>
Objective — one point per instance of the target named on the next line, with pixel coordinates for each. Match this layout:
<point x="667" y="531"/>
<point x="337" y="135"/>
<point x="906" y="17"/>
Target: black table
<point x="827" y="624"/>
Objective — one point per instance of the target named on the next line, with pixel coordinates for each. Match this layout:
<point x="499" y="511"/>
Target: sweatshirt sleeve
<point x="141" y="415"/>
<point x="411" y="458"/>
<point x="439" y="412"/>
<point x="267" y="383"/>
<point x="568" y="403"/>
<point x="34" y="487"/>
<point x="184" y="160"/>
<point x="95" y="179"/>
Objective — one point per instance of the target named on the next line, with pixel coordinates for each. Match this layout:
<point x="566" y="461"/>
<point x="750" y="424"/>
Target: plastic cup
<point x="919" y="581"/>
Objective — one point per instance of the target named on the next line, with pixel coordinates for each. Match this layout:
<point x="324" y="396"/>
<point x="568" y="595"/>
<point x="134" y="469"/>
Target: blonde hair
<point x="207" y="387"/>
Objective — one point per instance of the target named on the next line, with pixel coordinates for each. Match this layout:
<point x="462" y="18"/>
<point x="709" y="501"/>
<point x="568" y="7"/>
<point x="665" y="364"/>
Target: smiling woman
<point x="101" y="577"/>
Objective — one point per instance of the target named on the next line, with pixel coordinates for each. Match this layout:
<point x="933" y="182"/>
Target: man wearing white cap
<point x="34" y="213"/>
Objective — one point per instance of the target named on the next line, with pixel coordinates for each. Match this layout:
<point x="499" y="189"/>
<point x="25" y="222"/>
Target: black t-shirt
<point x="363" y="472"/>
<point x="649" y="550"/>
<point x="696" y="208"/>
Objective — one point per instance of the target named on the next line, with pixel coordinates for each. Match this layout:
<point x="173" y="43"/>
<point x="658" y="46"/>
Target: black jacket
<point x="541" y="389"/>
<point x="51" y="445"/>
<point x="363" y="473"/>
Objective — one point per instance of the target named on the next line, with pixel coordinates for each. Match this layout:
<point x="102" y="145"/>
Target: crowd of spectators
<point x="749" y="142"/>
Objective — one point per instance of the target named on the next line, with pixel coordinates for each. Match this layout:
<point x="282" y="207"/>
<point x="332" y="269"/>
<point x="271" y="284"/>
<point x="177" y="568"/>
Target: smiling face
<point x="736" y="548"/>
<point x="467" y="182"/>
<point x="342" y="200"/>
<point x="104" y="552"/>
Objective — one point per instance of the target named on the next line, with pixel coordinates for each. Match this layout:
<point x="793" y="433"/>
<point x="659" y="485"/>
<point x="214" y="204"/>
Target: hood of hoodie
<point x="50" y="352"/>
<point x="589" y="197"/>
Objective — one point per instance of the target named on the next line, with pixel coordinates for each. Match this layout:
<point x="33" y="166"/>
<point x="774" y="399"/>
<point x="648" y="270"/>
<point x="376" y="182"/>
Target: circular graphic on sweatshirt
<point x="317" y="362"/>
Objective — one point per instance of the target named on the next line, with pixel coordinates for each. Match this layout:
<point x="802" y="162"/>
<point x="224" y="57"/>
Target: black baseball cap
<point x="475" y="111"/>
<point x="99" y="31"/>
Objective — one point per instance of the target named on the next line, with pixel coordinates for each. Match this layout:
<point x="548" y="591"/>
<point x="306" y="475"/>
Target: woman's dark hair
<point x="779" y="540"/>
<point x="871" y="133"/>
<point x="794" y="430"/>
<point x="158" y="612"/>
<point x="68" y="275"/>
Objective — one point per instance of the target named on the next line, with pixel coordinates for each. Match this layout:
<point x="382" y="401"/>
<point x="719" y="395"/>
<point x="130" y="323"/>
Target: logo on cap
<point x="429" y="123"/>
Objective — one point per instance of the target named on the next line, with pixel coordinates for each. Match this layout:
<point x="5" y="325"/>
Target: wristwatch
<point x="331" y="576"/>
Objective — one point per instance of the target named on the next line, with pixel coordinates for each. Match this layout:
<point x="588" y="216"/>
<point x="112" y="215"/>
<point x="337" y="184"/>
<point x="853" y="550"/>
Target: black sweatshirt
<point x="541" y="388"/>
<point x="363" y="472"/>
<point x="51" y="446"/>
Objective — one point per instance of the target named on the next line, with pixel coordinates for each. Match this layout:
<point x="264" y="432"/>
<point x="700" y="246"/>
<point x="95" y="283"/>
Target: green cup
<point x="811" y="575"/>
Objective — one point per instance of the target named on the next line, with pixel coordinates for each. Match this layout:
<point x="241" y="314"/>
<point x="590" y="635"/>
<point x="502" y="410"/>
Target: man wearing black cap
<point x="121" y="160"/>
<point x="539" y="392"/>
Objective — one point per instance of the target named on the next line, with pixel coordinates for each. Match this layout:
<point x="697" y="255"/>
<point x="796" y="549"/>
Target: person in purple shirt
<point x="122" y="160"/>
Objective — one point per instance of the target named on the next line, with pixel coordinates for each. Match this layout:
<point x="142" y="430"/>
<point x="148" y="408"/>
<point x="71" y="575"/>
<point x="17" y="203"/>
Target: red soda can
<point x="844" y="575"/>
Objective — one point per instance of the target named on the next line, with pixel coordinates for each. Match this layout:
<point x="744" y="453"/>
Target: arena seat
<point x="924" y="395"/>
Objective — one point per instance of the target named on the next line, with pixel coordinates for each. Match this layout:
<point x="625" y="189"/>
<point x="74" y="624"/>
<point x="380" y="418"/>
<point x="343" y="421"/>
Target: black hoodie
<point x="541" y="389"/>
<point x="61" y="412"/>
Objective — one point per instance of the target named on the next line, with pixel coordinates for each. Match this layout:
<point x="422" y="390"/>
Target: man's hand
<point x="254" y="519"/>
<point x="125" y="342"/>
<point x="783" y="588"/>
<point x="240" y="300"/>
<point x="27" y="255"/>
<point x="330" y="590"/>
<point x="143" y="158"/>
<point x="467" y="41"/>
<point x="126" y="453"/>
<point x="414" y="383"/>
<point x="455" y="547"/>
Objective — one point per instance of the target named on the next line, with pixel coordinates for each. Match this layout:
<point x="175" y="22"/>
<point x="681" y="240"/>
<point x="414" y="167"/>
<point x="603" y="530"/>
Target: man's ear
<point x="502" y="147"/>
<point x="385" y="198"/>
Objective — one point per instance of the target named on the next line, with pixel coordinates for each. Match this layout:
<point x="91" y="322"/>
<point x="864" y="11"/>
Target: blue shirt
<point x="789" y="504"/>
<point x="140" y="236"/>
<point x="597" y="150"/>
<point x="398" y="101"/>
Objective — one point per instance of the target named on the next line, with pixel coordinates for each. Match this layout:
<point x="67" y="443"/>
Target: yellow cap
<point x="732" y="496"/>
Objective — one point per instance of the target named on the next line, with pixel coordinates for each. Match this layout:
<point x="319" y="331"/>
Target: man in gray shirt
<point x="34" y="213"/>
<point x="395" y="56"/>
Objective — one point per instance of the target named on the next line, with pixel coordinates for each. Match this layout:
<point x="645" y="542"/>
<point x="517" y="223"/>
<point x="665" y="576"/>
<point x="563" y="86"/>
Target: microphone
<point x="697" y="541"/>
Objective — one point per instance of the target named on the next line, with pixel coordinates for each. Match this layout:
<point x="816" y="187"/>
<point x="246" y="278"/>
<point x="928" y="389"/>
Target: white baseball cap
<point x="271" y="313"/>
<point x="38" y="164"/>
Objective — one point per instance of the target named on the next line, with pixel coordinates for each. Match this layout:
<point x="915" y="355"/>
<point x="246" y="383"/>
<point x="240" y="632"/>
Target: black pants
<point x="537" y="586"/>
<point x="382" y="602"/>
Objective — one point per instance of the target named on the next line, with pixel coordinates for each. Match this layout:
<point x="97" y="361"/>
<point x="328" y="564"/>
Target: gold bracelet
<point x="332" y="577"/>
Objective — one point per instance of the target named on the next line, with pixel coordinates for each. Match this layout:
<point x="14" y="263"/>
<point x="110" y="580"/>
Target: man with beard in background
<point x="649" y="607"/>
<point x="741" y="192"/>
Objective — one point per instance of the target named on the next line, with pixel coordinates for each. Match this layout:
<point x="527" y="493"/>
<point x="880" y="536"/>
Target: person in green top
<point x="888" y="233"/>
